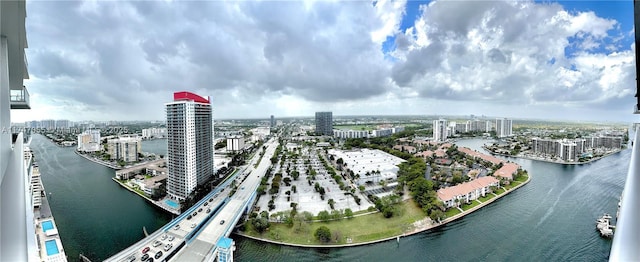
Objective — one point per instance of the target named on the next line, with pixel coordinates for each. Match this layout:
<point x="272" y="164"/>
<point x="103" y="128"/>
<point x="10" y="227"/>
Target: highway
<point x="193" y="234"/>
<point x="203" y="246"/>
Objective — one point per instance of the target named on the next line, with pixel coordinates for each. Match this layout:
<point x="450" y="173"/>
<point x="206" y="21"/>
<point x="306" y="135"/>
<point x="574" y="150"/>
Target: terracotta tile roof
<point x="507" y="171"/>
<point x="448" y="193"/>
<point x="424" y="154"/>
<point x="482" y="156"/>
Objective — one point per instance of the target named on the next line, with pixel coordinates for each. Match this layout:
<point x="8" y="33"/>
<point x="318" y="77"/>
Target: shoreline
<point x="413" y="232"/>
<point x="97" y="161"/>
<point x="175" y="212"/>
<point x="556" y="162"/>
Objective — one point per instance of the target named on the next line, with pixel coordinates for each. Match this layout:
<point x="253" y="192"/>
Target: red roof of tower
<point x="184" y="95"/>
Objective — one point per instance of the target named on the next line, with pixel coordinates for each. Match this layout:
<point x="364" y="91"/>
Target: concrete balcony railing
<point x="626" y="239"/>
<point x="20" y="99"/>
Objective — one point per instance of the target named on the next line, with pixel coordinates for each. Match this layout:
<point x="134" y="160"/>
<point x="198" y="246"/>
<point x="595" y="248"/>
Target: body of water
<point x="95" y="216"/>
<point x="551" y="218"/>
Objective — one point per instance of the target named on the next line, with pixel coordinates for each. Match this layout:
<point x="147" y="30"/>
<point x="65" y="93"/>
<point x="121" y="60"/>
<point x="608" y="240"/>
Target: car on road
<point x="158" y="255"/>
<point x="157" y="243"/>
<point x="221" y="222"/>
<point x="171" y="238"/>
<point x="145" y="250"/>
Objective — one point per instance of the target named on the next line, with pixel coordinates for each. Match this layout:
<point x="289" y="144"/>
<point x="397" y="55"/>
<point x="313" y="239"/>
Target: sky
<point x="122" y="60"/>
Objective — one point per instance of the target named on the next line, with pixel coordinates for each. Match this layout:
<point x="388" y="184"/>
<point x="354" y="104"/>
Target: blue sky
<point x="521" y="59"/>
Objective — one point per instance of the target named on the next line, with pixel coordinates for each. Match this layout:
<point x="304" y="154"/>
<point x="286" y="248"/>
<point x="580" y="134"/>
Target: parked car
<point x="168" y="246"/>
<point x="176" y="227"/>
<point x="157" y="243"/>
<point x="163" y="237"/>
<point x="221" y="222"/>
<point x="144" y="257"/>
<point x="158" y="255"/>
<point x="171" y="238"/>
<point x="145" y="250"/>
<point x="131" y="258"/>
<point x="208" y="210"/>
<point x="193" y="225"/>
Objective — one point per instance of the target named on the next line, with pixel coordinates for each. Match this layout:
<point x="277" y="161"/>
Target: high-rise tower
<point x="189" y="143"/>
<point x="504" y="127"/>
<point x="324" y="123"/>
<point x="439" y="130"/>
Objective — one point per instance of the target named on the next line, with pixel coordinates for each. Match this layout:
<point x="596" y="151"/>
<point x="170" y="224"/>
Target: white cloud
<point x="122" y="60"/>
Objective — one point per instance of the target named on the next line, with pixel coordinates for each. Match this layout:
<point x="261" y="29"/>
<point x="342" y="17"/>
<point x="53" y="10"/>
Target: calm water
<point x="551" y="218"/>
<point x="94" y="215"/>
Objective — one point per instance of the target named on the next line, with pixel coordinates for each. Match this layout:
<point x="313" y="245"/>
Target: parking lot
<point x="306" y="196"/>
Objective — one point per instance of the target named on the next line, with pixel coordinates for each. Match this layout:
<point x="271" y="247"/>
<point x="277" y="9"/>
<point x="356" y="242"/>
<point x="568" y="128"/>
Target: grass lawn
<point x="359" y="229"/>
<point x="466" y="207"/>
<point x="487" y="197"/>
<point x="512" y="185"/>
<point x="499" y="191"/>
<point x="452" y="212"/>
<point x="522" y="178"/>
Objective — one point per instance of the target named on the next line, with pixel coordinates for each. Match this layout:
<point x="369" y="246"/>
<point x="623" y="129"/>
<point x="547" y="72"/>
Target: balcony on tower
<point x="20" y="99"/>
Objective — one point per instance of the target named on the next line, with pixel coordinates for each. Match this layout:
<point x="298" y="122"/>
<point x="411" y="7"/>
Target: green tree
<point x="324" y="215"/>
<point x="323" y="234"/>
<point x="348" y="213"/>
<point x="260" y="224"/>
<point x="331" y="202"/>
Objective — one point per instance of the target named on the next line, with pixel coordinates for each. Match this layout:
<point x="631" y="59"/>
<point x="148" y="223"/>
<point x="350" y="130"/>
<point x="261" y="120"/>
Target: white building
<point x="350" y="133"/>
<point x="125" y="148"/>
<point x="89" y="141"/>
<point x="370" y="166"/>
<point x="189" y="143"/>
<point x="154" y="132"/>
<point x="439" y="130"/>
<point x="504" y="127"/>
<point x="382" y="132"/>
<point x="17" y="228"/>
<point x="235" y="143"/>
<point x="260" y="133"/>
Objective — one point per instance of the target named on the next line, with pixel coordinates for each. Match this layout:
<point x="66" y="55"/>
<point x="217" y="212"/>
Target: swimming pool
<point x="47" y="225"/>
<point x="172" y="203"/>
<point x="52" y="247"/>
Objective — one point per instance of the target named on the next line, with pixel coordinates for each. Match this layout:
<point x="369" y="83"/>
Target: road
<point x="201" y="248"/>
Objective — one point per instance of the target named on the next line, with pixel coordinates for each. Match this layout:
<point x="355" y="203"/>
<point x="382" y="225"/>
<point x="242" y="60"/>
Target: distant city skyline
<point x="569" y="60"/>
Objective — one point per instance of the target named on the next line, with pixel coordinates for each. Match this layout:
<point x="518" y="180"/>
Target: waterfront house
<point x="507" y="171"/>
<point x="466" y="192"/>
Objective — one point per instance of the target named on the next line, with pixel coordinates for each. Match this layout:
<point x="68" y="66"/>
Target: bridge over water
<point x="194" y="234"/>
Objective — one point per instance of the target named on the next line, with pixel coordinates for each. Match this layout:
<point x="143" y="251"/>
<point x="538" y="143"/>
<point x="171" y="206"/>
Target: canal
<point x="551" y="218"/>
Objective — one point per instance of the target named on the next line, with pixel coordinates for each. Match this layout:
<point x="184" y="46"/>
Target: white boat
<point x="603" y="225"/>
